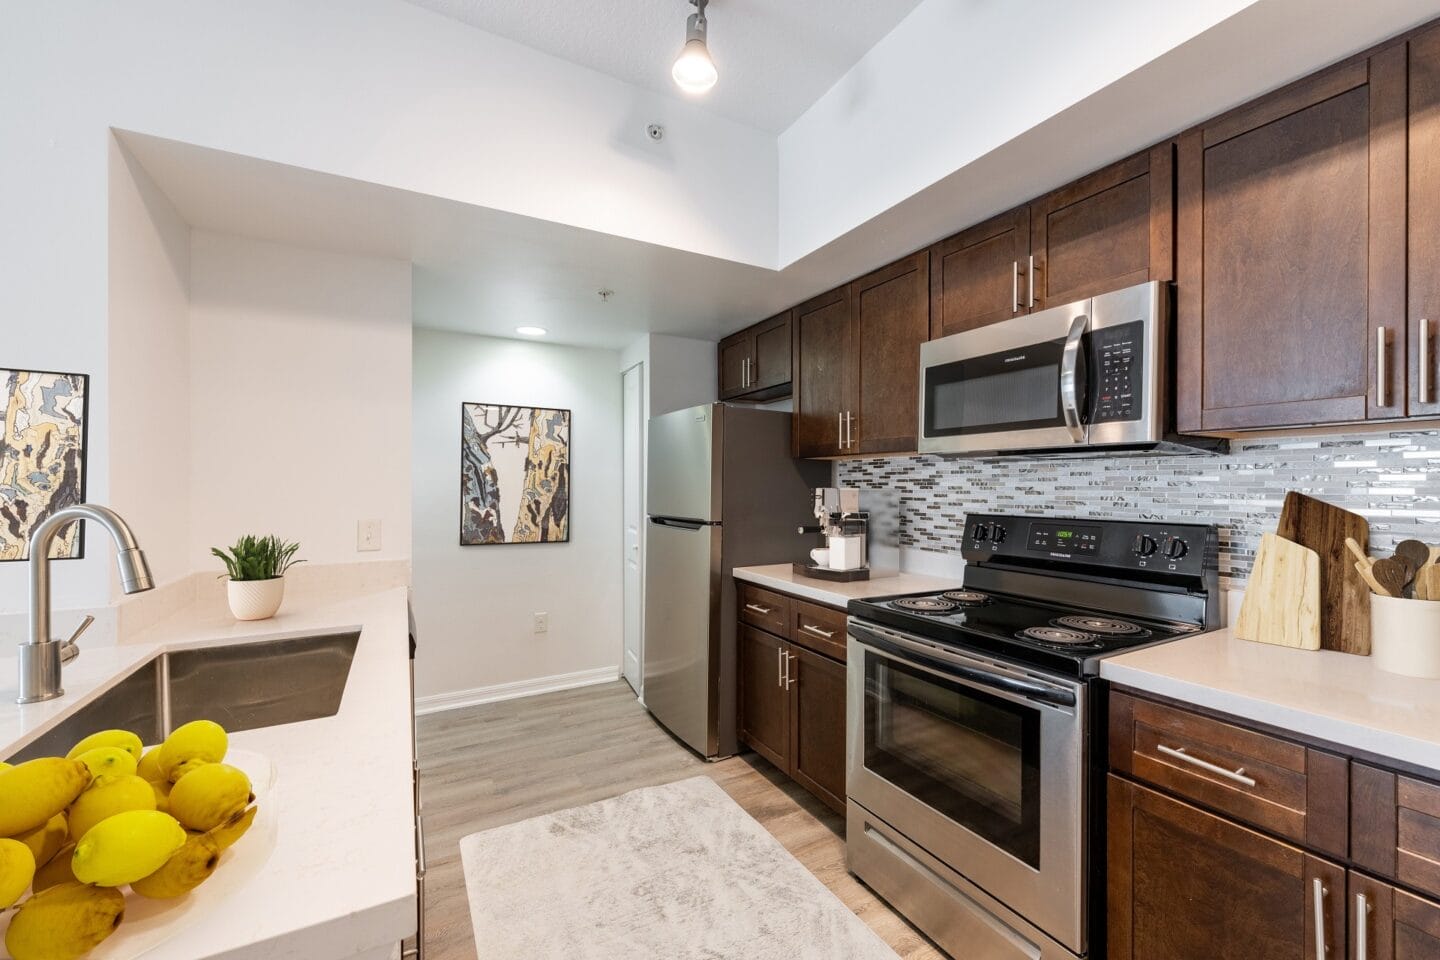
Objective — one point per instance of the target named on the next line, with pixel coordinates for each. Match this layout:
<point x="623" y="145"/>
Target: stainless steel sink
<point x="241" y="686"/>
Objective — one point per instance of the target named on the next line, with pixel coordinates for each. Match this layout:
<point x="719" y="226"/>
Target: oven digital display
<point x="1064" y="538"/>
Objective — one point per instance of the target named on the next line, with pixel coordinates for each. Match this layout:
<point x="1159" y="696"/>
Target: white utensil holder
<point x="1405" y="636"/>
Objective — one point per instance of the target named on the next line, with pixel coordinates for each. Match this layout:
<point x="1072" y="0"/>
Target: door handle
<point x="1362" y="927"/>
<point x="1319" y="891"/>
<point x="788" y="679"/>
<point x="1382" y="387"/>
<point x="1424" y="361"/>
<point x="1069" y="373"/>
<point x="780" y="667"/>
<point x="840" y="429"/>
<point x="1030" y="279"/>
<point x="1015" y="287"/>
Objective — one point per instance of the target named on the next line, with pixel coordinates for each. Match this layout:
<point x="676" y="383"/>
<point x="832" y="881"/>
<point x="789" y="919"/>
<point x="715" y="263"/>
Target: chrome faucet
<point x="42" y="656"/>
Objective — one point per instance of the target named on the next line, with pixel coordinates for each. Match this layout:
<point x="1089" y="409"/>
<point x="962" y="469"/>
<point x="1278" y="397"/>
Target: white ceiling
<point x="775" y="57"/>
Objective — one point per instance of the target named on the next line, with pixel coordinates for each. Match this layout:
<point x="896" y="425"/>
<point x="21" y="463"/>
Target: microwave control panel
<point x="1117" y="355"/>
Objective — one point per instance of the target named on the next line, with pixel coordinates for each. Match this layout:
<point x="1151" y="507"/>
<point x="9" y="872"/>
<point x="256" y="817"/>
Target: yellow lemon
<point x="33" y="792"/>
<point x="104" y="800"/>
<point x="162" y="790"/>
<point x="186" y="869"/>
<point x="149" y="766"/>
<point x="17" y="869"/>
<point x="123" y="848"/>
<point x="46" y="840"/>
<point x="202" y="740"/>
<point x="108" y="762"/>
<point x="121" y="739"/>
<point x="57" y="871"/>
<point x="64" y="922"/>
<point x="210" y="795"/>
<point x="233" y="829"/>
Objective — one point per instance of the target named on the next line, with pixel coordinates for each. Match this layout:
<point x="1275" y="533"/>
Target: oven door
<point x="980" y="764"/>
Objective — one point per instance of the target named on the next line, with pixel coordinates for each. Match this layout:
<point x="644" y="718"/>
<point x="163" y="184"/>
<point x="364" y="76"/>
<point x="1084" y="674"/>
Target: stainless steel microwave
<point x="1089" y="377"/>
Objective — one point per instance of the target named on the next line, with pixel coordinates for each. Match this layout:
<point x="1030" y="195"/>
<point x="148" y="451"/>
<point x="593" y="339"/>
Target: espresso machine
<point x="843" y="527"/>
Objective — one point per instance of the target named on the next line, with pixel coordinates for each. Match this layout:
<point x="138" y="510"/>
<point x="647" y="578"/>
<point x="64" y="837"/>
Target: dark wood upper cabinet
<point x="1391" y="923"/>
<point x="892" y="319"/>
<point x="764" y="703"/>
<point x="824" y="375"/>
<point x="1424" y="220"/>
<point x="1110" y="230"/>
<point x="1187" y="885"/>
<point x="755" y="363"/>
<point x="817" y="725"/>
<point x="976" y="276"/>
<point x="1291" y="255"/>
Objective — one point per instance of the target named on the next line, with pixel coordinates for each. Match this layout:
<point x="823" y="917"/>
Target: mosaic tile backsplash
<point x="1393" y="479"/>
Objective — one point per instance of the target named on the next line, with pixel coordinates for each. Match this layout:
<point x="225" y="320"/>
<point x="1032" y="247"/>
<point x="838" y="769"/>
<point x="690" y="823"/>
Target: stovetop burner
<point x="1059" y="636"/>
<point x="967" y="598"/>
<point x="1104" y="626"/>
<point x="933" y="605"/>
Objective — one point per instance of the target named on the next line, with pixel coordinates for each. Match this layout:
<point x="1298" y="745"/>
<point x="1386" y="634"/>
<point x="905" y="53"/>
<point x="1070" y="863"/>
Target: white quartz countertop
<point x="340" y="882"/>
<point x="1332" y="696"/>
<point x="782" y="577"/>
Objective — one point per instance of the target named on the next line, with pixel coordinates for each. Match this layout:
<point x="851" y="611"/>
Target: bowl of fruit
<point x="105" y="852"/>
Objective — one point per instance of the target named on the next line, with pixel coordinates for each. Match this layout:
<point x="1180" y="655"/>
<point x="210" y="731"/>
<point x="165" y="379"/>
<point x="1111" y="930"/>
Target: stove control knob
<point x="1145" y="546"/>
<point x="1175" y="548"/>
<point x="980" y="532"/>
<point x="997" y="534"/>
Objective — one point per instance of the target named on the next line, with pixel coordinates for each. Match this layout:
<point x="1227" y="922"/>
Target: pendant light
<point x="694" y="71"/>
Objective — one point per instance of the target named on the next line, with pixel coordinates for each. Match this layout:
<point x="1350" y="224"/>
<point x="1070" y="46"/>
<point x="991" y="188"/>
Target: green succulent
<point x="258" y="558"/>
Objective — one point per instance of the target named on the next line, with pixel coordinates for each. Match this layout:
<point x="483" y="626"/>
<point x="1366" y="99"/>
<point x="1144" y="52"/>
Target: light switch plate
<point x="367" y="535"/>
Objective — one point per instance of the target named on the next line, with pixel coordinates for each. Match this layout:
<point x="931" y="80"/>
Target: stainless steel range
<point x="975" y="725"/>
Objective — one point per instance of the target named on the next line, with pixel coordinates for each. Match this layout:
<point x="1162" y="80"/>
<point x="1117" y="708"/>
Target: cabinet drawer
<point x="764" y="609"/>
<point x="1283" y="787"/>
<point x="821" y="629"/>
<point x="1396" y="829"/>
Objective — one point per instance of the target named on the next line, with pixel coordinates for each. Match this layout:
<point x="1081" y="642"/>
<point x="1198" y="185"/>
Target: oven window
<point x="971" y="756"/>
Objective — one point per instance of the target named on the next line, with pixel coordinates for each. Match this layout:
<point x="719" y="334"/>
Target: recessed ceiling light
<point x="531" y="331"/>
<point x="694" y="71"/>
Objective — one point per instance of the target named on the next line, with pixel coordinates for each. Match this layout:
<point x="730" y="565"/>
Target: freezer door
<point x="680" y="478"/>
<point x="682" y="619"/>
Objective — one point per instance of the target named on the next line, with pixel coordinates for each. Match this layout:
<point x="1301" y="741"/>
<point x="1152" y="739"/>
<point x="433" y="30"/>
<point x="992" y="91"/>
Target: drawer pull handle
<point x="811" y="628"/>
<point x="763" y="611"/>
<point x="1179" y="754"/>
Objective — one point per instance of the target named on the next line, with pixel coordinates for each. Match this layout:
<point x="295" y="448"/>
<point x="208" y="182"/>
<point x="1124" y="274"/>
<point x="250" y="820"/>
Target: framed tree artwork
<point x="42" y="458"/>
<point x="514" y="474"/>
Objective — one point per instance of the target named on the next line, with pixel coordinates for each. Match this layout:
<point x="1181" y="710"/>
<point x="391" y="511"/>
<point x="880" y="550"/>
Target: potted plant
<point x="256" y="569"/>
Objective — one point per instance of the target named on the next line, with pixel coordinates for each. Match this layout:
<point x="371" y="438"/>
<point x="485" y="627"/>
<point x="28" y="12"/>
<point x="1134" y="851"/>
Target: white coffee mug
<point x="821" y="556"/>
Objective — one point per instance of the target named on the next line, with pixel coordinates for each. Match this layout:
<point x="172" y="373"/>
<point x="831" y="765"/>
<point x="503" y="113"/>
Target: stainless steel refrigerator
<point x="722" y="491"/>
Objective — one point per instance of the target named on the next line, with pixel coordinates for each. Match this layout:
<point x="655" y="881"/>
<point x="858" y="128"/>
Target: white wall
<point x="474" y="605"/>
<point x="679" y="372"/>
<point x="300" y="408"/>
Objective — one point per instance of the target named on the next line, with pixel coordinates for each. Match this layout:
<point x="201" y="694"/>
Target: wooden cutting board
<point x="1282" y="599"/>
<point x="1344" y="597"/>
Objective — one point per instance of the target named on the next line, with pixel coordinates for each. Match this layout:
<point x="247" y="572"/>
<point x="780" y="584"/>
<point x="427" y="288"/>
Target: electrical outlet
<point x="367" y="535"/>
<point x="542" y="623"/>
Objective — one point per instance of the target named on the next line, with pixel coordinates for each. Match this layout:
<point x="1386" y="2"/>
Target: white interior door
<point x="633" y="440"/>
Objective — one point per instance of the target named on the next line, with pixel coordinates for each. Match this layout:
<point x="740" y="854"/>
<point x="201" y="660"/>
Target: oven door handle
<point x="1069" y="378"/>
<point x="1042" y="692"/>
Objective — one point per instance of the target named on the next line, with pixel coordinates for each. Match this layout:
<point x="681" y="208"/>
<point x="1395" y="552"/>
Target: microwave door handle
<point x="1069" y="387"/>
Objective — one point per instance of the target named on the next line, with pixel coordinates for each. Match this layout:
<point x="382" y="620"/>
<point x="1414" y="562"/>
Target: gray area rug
<point x="678" y="872"/>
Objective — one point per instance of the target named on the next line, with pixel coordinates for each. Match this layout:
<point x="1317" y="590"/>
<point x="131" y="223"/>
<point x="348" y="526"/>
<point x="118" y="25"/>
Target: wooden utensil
<point x="1282" y="599"/>
<point x="1427" y="584"/>
<point x="1414" y="552"/>
<point x="1363" y="568"/>
<point x="1344" y="594"/>
<point x="1391" y="574"/>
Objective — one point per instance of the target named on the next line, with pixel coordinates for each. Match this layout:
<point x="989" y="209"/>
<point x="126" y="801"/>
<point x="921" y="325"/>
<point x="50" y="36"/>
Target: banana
<point x="17" y="869"/>
<point x="208" y="796"/>
<point x="199" y="740"/>
<point x="123" y="848"/>
<point x="108" y="762"/>
<point x="34" y="791"/>
<point x="57" y="871"/>
<point x="46" y="840"/>
<point x="64" y="922"/>
<point x="233" y="829"/>
<point x="186" y="869"/>
<point x="123" y="739"/>
<point x="105" y="799"/>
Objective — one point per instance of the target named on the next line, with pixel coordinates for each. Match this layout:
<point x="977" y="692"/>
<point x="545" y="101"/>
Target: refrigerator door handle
<point x="682" y="523"/>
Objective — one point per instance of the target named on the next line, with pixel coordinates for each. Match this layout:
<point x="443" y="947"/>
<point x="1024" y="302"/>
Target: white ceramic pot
<point x="255" y="599"/>
<point x="1405" y="636"/>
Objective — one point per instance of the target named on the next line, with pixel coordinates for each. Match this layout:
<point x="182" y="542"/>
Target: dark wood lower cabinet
<point x="1387" y="923"/>
<point x="817" y="725"/>
<point x="764" y="701"/>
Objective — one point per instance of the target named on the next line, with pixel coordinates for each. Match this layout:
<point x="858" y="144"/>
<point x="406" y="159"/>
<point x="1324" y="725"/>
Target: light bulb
<point x="694" y="71"/>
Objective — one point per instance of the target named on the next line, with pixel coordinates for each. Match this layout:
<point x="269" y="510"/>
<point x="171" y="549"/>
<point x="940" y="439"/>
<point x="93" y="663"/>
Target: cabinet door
<point x="770" y="366"/>
<point x="1390" y="924"/>
<point x="1395" y="826"/>
<point x="824" y="391"/>
<point x="735" y="355"/>
<point x="1187" y="885"/>
<point x="1291" y="266"/>
<point x="764" y="702"/>
<point x="1110" y="230"/>
<point x="1424" y="209"/>
<point x="892" y="319"/>
<point x="976" y="276"/>
<point x="817" y="725"/>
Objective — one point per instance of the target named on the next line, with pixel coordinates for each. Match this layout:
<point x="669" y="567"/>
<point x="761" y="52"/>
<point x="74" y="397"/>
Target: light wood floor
<point x="498" y="763"/>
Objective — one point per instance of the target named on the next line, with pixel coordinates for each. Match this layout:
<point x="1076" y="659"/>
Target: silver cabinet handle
<point x="1362" y="927"/>
<point x="1015" y="287"/>
<point x="811" y="628"/>
<point x="849" y="429"/>
<point x="1069" y="366"/>
<point x="1382" y="387"/>
<point x="744" y="372"/>
<point x="840" y="429"/>
<point x="1179" y="754"/>
<point x="1319" y="891"/>
<point x="764" y="611"/>
<point x="1424" y="361"/>
<point x="788" y="679"/>
<point x="1030" y="275"/>
<point x="780" y="667"/>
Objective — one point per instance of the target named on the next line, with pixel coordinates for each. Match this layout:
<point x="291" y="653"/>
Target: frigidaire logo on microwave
<point x="1013" y="359"/>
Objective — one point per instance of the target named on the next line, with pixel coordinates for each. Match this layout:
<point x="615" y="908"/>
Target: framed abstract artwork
<point x="42" y="458"/>
<point x="514" y="474"/>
